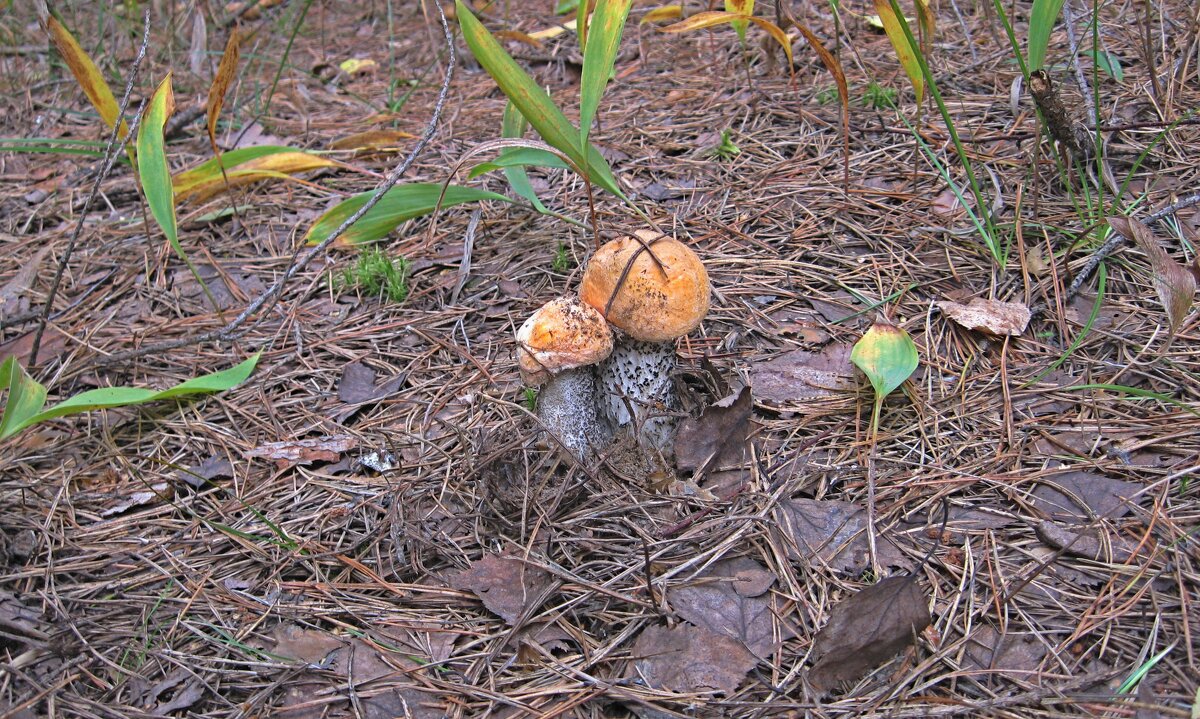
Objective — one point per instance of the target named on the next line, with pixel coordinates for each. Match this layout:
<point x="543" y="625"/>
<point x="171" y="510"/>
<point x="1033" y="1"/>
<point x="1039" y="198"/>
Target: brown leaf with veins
<point x="688" y="658"/>
<point x="801" y="375"/>
<point x="731" y="598"/>
<point x="991" y="316"/>
<point x="1174" y="283"/>
<point x="834" y="533"/>
<point x="868" y="629"/>
<point x="718" y="438"/>
<point x="508" y="586"/>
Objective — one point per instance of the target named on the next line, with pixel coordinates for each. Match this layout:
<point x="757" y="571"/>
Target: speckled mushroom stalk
<point x="559" y="347"/>
<point x="655" y="303"/>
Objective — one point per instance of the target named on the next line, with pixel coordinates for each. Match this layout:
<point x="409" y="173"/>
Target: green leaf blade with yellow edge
<point x="893" y="26"/>
<point x="887" y="356"/>
<point x="599" y="57"/>
<point x="401" y="203"/>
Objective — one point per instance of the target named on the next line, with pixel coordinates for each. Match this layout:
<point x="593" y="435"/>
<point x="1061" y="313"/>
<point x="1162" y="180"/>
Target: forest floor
<point x="372" y="524"/>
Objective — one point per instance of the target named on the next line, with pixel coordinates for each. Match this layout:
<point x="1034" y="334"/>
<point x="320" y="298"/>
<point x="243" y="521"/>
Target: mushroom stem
<point x="637" y="376"/>
<point x="567" y="407"/>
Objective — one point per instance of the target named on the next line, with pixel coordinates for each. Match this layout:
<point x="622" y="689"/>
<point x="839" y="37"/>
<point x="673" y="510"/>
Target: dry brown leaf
<point x="1080" y="496"/>
<point x="987" y="650"/>
<point x="731" y="599"/>
<point x="991" y="316"/>
<point x="718" y="439"/>
<point x="358" y="384"/>
<point x="834" y="533"/>
<point x="868" y="629"/>
<point x="226" y="71"/>
<point x="372" y="140"/>
<point x="508" y="586"/>
<point x="305" y="451"/>
<point x="688" y="658"/>
<point x="801" y="375"/>
<point x="1174" y="283"/>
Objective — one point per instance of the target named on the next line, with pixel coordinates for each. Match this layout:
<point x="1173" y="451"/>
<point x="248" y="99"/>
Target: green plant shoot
<point x="887" y="356"/>
<point x="27" y="397"/>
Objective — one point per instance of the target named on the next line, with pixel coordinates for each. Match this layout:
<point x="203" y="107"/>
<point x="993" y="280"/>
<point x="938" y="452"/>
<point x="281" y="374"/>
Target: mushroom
<point x="558" y="348"/>
<point x="651" y="300"/>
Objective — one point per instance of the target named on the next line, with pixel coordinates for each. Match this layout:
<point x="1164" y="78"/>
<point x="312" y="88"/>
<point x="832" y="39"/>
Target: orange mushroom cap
<point x="563" y="334"/>
<point x="655" y="303"/>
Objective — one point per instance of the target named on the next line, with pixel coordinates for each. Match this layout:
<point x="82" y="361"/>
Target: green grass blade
<point x="1140" y="673"/>
<point x="1041" y="24"/>
<point x="513" y="125"/>
<point x="532" y="100"/>
<point x="26" y="397"/>
<point x="604" y="39"/>
<point x="152" y="163"/>
<point x="56" y="146"/>
<point x="109" y="397"/>
<point x="1101" y="286"/>
<point x="517" y="158"/>
<point x="401" y="203"/>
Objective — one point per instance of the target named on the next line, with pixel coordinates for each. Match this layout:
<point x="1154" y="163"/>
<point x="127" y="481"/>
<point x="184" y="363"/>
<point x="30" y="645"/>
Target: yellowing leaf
<point x="371" y="140"/>
<point x="659" y="14"/>
<point x="152" y="162"/>
<point x="906" y="53"/>
<point x="226" y="71"/>
<point x="608" y="23"/>
<point x="703" y="20"/>
<point x="554" y="31"/>
<point x="356" y="66"/>
<point x="886" y="355"/>
<point x="928" y="27"/>
<point x="200" y="186"/>
<point x="85" y="72"/>
<point x="519" y="36"/>
<point x="740" y="7"/>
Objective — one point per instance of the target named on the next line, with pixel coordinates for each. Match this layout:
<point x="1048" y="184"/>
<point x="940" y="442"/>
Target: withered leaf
<point x="991" y="316"/>
<point x="718" y="438"/>
<point x="834" y="533"/>
<point x="358" y="384"/>
<point x="383" y="682"/>
<point x="1173" y="282"/>
<point x="508" y="586"/>
<point x="215" y="467"/>
<point x="989" y="650"/>
<point x="802" y="375"/>
<point x="731" y="599"/>
<point x="868" y="629"/>
<point x="305" y="451"/>
<point x="1094" y="495"/>
<point x="1083" y="542"/>
<point x="689" y="658"/>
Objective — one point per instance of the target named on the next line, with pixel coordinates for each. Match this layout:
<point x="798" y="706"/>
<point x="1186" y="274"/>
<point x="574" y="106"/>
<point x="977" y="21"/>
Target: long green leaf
<point x="30" y="396"/>
<point x="401" y="203"/>
<point x="513" y="124"/>
<point x="604" y="39"/>
<point x="532" y="100"/>
<point x="517" y="158"/>
<point x="1041" y="24"/>
<point x="153" y="172"/>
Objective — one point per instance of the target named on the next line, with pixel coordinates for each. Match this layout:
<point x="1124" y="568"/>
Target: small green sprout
<point x="531" y="399"/>
<point x="878" y="97"/>
<point x="725" y="150"/>
<point x="827" y="95"/>
<point x="562" y="259"/>
<point x="375" y="274"/>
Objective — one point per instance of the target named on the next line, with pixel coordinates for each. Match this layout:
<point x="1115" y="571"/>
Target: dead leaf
<point x="1095" y="495"/>
<point x="54" y="343"/>
<point x="729" y="599"/>
<point x="991" y="316"/>
<point x="20" y="622"/>
<point x="12" y="300"/>
<point x="946" y="204"/>
<point x="834" y="533"/>
<point x="987" y="650"/>
<point x="382" y="679"/>
<point x="868" y="629"/>
<point x="215" y="467"/>
<point x="801" y="375"/>
<point x="1083" y="542"/>
<point x="358" y="384"/>
<point x="1174" y="283"/>
<point x="122" y="503"/>
<point x="372" y="141"/>
<point x="508" y="586"/>
<point x="718" y="439"/>
<point x="688" y="658"/>
<point x="305" y="451"/>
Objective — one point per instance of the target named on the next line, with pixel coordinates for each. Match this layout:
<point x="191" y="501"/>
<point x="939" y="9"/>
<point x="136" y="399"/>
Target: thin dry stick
<point x="234" y="329"/>
<point x="110" y="158"/>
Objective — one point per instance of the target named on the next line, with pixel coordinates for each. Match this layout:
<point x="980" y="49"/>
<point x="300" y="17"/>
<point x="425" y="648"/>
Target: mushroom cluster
<point x="652" y="289"/>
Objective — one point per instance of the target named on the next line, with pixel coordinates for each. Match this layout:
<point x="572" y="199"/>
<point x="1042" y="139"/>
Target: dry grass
<point x="119" y="575"/>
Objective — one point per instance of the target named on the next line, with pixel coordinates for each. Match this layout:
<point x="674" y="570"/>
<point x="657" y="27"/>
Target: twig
<point x="1111" y="246"/>
<point x="233" y="330"/>
<point x="110" y="158"/>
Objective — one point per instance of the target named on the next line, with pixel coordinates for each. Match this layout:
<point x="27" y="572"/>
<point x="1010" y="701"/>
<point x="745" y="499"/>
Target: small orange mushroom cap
<point x="563" y="334"/>
<point x="655" y="303"/>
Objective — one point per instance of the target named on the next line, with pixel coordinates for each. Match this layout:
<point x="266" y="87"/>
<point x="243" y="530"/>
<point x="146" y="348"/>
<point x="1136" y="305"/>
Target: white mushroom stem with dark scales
<point x="637" y="377"/>
<point x="567" y="407"/>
